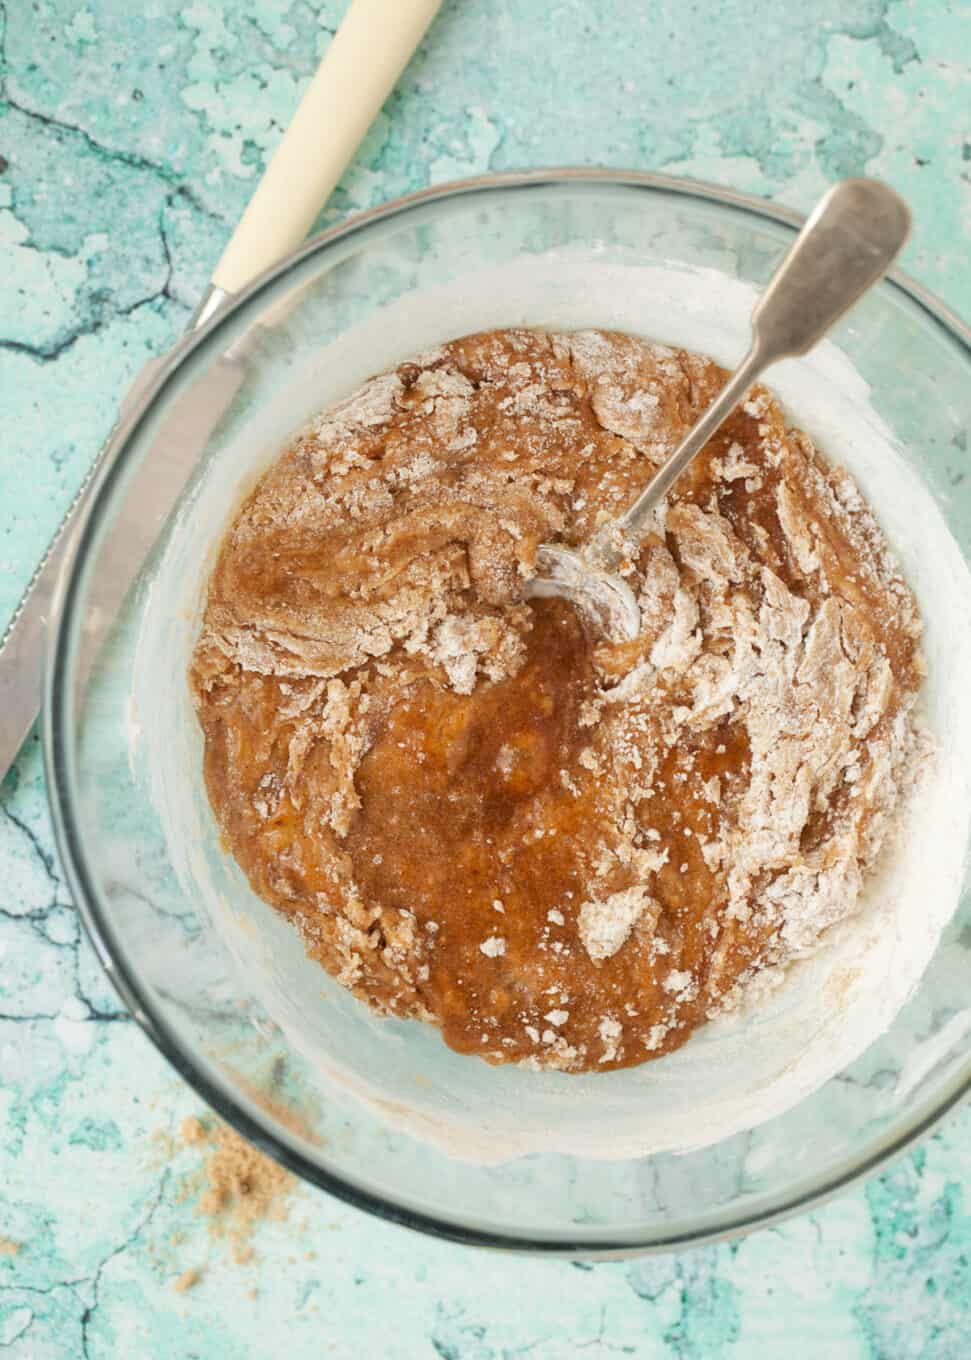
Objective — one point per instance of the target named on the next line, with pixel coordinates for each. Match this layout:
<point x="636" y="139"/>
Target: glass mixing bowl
<point x="206" y="969"/>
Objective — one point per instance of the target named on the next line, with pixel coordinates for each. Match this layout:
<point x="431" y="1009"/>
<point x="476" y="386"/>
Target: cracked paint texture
<point x="130" y="137"/>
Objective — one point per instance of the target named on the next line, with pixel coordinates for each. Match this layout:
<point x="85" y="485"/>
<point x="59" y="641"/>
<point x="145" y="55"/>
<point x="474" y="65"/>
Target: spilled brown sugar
<point x="237" y="1186"/>
<point x="565" y="852"/>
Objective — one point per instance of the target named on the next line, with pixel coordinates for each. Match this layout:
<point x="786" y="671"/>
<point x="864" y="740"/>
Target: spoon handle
<point x="850" y="240"/>
<point x="847" y="244"/>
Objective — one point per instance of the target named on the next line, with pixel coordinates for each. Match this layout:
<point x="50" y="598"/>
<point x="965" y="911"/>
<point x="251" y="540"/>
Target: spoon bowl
<point x="602" y="595"/>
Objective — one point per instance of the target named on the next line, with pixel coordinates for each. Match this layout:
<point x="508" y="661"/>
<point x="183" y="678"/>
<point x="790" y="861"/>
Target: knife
<point x="369" y="51"/>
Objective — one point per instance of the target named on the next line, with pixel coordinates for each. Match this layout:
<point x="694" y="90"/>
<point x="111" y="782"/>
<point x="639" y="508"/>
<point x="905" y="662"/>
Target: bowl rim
<point x="56" y="736"/>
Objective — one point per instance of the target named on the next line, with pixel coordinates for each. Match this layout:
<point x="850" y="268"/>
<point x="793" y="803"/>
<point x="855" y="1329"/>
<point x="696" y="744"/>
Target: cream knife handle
<point x="360" y="69"/>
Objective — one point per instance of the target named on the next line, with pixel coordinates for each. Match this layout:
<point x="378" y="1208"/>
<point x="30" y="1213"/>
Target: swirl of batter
<point x="562" y="851"/>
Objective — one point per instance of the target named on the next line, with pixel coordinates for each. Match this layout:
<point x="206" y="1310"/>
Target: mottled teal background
<point x="131" y="135"/>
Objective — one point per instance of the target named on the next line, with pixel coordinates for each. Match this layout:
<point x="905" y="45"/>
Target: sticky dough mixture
<point x="562" y="851"/>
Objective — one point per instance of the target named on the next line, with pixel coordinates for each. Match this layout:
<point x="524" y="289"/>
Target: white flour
<point x="738" y="1070"/>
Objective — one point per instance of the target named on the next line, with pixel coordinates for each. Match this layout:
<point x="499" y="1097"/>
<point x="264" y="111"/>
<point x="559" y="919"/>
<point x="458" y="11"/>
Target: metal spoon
<point x="847" y="244"/>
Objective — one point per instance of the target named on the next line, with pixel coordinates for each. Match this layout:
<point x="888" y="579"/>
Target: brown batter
<point x="560" y="850"/>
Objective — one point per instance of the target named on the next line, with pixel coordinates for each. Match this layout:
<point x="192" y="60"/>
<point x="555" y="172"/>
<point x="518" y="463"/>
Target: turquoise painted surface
<point x="130" y="137"/>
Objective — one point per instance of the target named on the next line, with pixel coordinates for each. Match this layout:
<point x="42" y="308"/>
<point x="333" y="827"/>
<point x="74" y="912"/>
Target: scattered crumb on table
<point x="187" y="1280"/>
